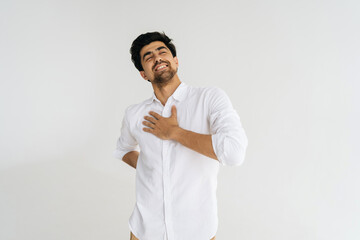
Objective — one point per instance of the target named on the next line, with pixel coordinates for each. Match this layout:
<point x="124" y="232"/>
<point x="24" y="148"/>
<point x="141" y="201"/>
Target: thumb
<point x="173" y="112"/>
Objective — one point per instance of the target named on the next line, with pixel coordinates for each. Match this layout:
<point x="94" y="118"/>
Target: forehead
<point x="151" y="47"/>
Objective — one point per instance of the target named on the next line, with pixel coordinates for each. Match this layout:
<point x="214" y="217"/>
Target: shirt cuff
<point x="229" y="150"/>
<point x="119" y="154"/>
<point x="218" y="146"/>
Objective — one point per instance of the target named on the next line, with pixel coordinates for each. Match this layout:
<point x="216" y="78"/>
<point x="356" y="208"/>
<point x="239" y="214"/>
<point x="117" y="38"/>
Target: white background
<point x="291" y="69"/>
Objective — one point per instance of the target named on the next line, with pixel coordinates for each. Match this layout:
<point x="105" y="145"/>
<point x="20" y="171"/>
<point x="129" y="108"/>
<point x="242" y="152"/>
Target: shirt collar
<point x="179" y="94"/>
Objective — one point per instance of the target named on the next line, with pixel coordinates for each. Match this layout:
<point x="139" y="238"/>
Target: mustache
<point x="160" y="62"/>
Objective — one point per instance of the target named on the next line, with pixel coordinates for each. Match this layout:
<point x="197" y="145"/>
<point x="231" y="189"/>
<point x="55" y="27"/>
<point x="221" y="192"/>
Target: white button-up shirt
<point x="176" y="186"/>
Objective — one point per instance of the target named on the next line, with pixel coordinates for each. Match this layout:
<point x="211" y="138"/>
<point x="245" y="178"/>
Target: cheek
<point x="147" y="68"/>
<point x="173" y="63"/>
<point x="149" y="72"/>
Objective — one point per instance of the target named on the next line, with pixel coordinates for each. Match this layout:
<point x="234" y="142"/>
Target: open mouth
<point x="161" y="67"/>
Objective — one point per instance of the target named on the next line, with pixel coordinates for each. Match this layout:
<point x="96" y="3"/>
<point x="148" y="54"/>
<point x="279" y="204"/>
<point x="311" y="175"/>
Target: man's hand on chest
<point x="162" y="127"/>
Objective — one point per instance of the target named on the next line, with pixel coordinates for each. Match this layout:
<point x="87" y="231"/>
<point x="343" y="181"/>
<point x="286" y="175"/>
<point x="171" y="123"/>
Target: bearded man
<point x="176" y="140"/>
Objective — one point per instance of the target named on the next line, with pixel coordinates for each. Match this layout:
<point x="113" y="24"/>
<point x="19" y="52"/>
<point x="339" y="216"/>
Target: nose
<point x="158" y="58"/>
<point x="158" y="61"/>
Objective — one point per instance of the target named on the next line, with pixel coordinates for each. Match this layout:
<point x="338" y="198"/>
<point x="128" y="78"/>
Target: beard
<point x="163" y="77"/>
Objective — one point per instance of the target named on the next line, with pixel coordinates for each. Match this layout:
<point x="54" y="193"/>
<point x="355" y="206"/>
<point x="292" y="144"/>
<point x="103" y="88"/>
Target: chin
<point x="164" y="77"/>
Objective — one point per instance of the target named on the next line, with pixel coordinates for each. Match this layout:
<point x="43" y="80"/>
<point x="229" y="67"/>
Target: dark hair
<point x="145" y="39"/>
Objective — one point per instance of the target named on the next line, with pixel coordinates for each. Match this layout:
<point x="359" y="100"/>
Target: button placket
<point x="166" y="178"/>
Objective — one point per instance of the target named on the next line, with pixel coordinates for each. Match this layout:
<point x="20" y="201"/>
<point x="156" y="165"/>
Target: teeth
<point x="161" y="67"/>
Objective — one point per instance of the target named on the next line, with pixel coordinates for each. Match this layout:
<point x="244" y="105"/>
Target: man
<point x="183" y="134"/>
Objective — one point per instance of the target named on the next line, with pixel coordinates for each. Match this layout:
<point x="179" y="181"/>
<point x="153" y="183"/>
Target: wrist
<point x="176" y="133"/>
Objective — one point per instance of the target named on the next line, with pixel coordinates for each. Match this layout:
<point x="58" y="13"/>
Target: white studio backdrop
<point x="291" y="69"/>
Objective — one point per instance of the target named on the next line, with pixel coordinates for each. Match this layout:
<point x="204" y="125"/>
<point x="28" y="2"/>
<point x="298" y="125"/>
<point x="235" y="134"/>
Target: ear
<point x="142" y="73"/>
<point x="176" y="61"/>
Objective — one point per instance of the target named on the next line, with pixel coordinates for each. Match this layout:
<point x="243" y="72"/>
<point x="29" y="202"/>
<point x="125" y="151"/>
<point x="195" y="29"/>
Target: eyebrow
<point x="158" y="49"/>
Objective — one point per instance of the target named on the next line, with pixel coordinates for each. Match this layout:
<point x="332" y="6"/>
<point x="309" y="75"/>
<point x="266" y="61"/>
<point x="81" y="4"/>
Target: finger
<point x="150" y="119"/>
<point x="148" y="124"/>
<point x="149" y="130"/>
<point x="156" y="115"/>
<point x="173" y="112"/>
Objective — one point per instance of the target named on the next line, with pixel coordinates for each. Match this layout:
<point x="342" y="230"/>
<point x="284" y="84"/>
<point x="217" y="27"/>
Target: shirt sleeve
<point x="126" y="142"/>
<point x="228" y="136"/>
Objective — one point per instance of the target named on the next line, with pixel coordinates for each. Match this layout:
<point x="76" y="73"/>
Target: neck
<point x="164" y="90"/>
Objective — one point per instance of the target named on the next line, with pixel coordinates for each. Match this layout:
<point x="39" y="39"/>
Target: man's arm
<point x="127" y="148"/>
<point x="131" y="158"/>
<point x="201" y="143"/>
